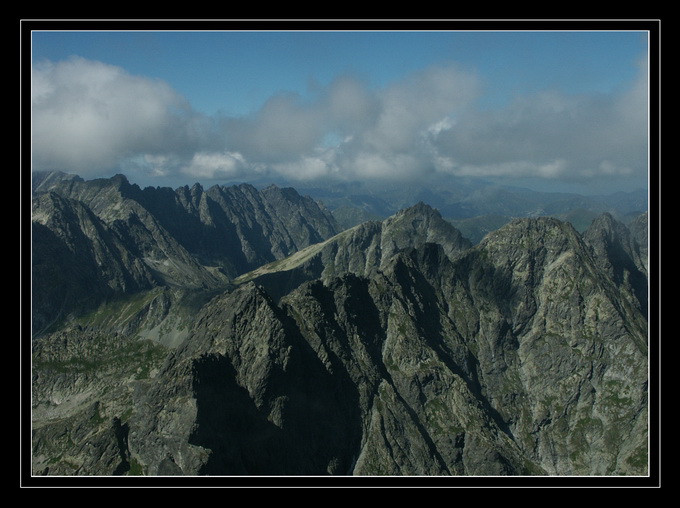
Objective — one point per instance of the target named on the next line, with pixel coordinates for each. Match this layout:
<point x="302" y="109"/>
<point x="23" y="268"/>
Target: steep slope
<point x="562" y="353"/>
<point x="43" y="181"/>
<point x="97" y="239"/>
<point x="519" y="357"/>
<point x="392" y="348"/>
<point x="639" y="228"/>
<point x="237" y="228"/>
<point x="619" y="253"/>
<point x="361" y="250"/>
<point x="77" y="260"/>
<point x="80" y="260"/>
<point x="84" y="374"/>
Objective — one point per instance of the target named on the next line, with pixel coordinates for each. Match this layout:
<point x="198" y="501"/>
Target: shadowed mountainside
<point x="392" y="348"/>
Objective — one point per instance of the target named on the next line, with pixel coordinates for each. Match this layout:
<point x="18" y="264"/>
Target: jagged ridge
<point x="362" y="250"/>
<point x="521" y="355"/>
<point x="124" y="239"/>
<point x="487" y="364"/>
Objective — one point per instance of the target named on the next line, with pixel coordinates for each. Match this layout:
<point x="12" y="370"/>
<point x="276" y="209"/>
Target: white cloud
<point x="90" y="118"/>
<point x="409" y="108"/>
<point x="439" y="126"/>
<point x="283" y="130"/>
<point x="213" y="165"/>
<point x="551" y="135"/>
<point x="306" y="169"/>
<point x="515" y="169"/>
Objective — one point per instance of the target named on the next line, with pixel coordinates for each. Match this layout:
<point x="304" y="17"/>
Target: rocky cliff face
<point x="362" y="250"/>
<point x="400" y="350"/>
<point x="102" y="238"/>
<point x="516" y="358"/>
<point x="622" y="254"/>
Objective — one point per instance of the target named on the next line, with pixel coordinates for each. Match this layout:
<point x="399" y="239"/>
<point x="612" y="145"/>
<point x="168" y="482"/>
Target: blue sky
<point x="562" y="110"/>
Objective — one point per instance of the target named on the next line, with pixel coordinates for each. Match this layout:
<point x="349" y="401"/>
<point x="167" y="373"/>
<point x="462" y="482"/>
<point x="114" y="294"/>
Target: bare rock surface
<point x="392" y="348"/>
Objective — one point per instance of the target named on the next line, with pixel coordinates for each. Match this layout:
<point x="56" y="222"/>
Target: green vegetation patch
<point x="130" y="356"/>
<point x="639" y="459"/>
<point x="120" y="310"/>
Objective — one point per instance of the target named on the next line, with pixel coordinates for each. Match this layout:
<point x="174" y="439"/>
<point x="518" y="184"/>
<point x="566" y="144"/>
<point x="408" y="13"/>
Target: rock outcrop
<point x="517" y="358"/>
<point x="396" y="349"/>
<point x="622" y="254"/>
<point x="362" y="250"/>
<point x="96" y="239"/>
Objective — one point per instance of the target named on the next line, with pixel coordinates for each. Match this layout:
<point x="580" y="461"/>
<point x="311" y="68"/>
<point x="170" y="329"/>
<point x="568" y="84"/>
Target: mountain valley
<point x="244" y="331"/>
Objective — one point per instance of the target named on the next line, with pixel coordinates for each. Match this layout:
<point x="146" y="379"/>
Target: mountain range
<point x="238" y="331"/>
<point x="473" y="205"/>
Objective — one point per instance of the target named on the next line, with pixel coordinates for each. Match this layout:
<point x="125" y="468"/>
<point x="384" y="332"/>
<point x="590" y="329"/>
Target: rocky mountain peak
<point x="391" y="348"/>
<point x="362" y="250"/>
<point x="532" y="240"/>
<point x="44" y="180"/>
<point x="159" y="236"/>
<point x="419" y="209"/>
<point x="620" y="255"/>
<point x="605" y="232"/>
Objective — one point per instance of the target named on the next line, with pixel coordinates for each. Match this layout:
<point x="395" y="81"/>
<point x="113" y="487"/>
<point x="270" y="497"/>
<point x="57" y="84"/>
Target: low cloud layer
<point x="95" y="119"/>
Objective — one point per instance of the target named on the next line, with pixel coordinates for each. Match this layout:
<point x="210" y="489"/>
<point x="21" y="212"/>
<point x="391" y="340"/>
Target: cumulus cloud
<point x="281" y="131"/>
<point x="93" y="118"/>
<point x="212" y="165"/>
<point x="551" y="135"/>
<point x="88" y="116"/>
